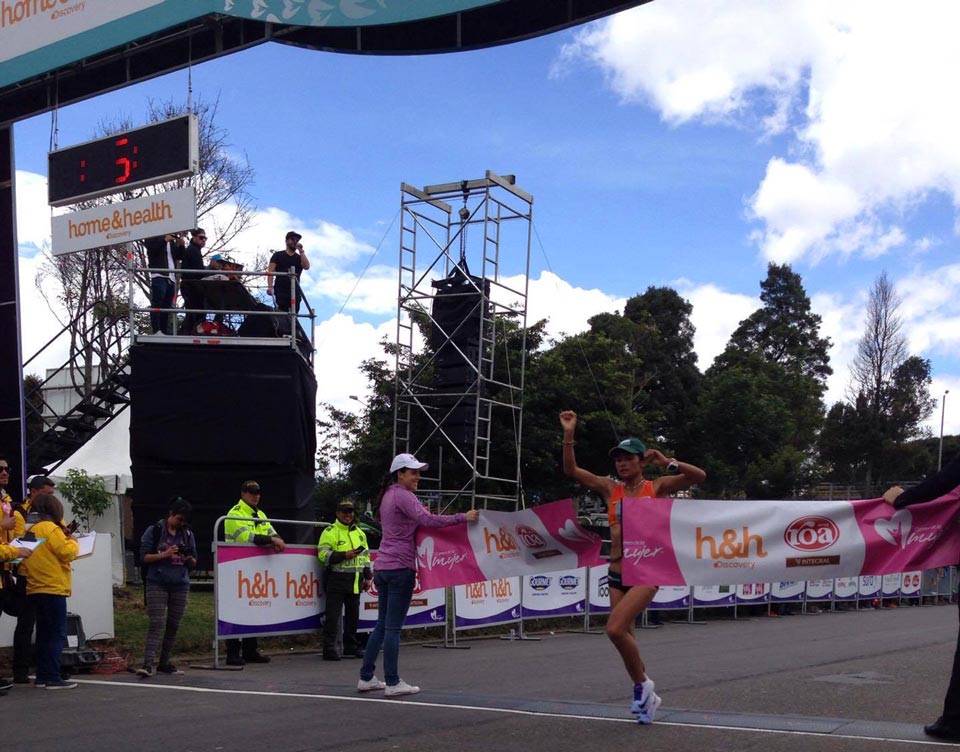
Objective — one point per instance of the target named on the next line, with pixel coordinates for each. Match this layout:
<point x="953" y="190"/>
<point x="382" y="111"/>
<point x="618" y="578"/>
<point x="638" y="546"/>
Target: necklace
<point x="633" y="486"/>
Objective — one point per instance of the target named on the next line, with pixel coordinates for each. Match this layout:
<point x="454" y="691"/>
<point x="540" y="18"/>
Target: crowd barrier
<point x="262" y="593"/>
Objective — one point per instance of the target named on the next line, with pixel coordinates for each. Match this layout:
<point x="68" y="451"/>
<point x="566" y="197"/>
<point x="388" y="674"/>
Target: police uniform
<point x="261" y="533"/>
<point x="344" y="579"/>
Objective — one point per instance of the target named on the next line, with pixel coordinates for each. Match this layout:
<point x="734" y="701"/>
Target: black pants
<point x="249" y="645"/>
<point x="192" y="298"/>
<point x="340" y="597"/>
<point x="23" y="634"/>
<point x="951" y="703"/>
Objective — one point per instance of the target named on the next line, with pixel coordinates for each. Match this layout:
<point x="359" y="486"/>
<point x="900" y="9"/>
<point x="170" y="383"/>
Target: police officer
<point x="343" y="553"/>
<point x="260" y="533"/>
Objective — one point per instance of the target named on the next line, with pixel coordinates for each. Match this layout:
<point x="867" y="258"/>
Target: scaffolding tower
<point x="465" y="254"/>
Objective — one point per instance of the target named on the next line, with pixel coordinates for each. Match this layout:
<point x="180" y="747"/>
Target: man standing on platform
<point x="163" y="253"/>
<point x="260" y="532"/>
<point x="294" y="258"/>
<point x="190" y="283"/>
<point x="343" y="553"/>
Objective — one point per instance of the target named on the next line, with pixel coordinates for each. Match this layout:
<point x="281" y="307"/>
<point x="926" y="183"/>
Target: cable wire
<point x="583" y="352"/>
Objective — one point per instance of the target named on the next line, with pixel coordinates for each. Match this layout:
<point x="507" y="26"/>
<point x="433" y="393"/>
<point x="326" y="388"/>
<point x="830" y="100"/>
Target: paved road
<point x="842" y="681"/>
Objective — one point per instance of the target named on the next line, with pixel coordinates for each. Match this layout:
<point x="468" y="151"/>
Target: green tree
<point x="761" y="402"/>
<point x="865" y="437"/>
<point x="87" y="495"/>
<point x="672" y="378"/>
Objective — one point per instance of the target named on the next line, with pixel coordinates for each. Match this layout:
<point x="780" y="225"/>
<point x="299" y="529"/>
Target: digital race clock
<point x="143" y="156"/>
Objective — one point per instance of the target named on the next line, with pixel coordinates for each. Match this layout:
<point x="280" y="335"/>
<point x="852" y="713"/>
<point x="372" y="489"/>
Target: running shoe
<point x="168" y="668"/>
<point x="649" y="709"/>
<point x="641" y="693"/>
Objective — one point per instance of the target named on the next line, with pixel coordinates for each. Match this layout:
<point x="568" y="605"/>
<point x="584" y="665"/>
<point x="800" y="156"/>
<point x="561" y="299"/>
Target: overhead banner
<point x="542" y="539"/>
<point x="683" y="541"/>
<point x="38" y="36"/>
<point x="125" y="221"/>
<point x="264" y="592"/>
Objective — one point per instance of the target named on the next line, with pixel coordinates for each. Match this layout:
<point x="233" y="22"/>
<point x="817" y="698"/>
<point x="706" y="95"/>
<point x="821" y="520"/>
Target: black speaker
<point x="458" y="318"/>
<point x="205" y="419"/>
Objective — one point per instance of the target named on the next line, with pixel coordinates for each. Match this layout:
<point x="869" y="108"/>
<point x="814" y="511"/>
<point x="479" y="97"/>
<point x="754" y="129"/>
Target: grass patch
<point x="130" y="623"/>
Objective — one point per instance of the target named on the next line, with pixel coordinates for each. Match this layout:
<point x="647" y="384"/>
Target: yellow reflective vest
<point x="242" y="531"/>
<point x="339" y="538"/>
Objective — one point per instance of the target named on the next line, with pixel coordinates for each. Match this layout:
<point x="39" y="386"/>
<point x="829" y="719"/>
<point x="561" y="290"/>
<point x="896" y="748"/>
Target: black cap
<point x="40" y="481"/>
<point x="250" y="485"/>
<point x="345" y="506"/>
<point x="295" y="235"/>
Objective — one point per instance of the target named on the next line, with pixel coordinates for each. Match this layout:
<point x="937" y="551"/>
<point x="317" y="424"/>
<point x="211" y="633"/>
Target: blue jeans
<point x="51" y="634"/>
<point x="394" y="591"/>
<point x="161" y="296"/>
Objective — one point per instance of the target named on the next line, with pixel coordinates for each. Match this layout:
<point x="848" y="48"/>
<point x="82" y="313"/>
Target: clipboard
<point x="86" y="541"/>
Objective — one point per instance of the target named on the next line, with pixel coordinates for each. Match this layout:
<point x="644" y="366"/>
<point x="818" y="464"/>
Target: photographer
<point x="168" y="551"/>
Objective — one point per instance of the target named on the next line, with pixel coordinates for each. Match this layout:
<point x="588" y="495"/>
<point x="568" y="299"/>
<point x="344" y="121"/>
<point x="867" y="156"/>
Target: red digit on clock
<point x="123" y="162"/>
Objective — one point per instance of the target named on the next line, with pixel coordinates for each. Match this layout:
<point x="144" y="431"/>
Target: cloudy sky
<point x="684" y="143"/>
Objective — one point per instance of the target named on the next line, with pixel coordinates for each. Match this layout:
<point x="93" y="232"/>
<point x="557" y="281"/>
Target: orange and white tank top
<point x="616" y="496"/>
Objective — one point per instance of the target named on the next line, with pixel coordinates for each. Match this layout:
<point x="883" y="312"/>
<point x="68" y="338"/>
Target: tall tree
<point x="888" y="397"/>
<point x="670" y="363"/>
<point x="784" y="329"/>
<point x="882" y="348"/>
<point x="761" y="402"/>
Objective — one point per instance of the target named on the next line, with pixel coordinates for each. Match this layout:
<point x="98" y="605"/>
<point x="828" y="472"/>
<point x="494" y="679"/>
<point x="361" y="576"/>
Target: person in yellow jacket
<point x="343" y="553"/>
<point x="9" y="553"/>
<point x="259" y="532"/>
<point x="48" y="586"/>
<point x="24" y="518"/>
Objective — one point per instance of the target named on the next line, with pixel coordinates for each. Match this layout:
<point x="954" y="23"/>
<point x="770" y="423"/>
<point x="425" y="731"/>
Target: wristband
<point x="673" y="466"/>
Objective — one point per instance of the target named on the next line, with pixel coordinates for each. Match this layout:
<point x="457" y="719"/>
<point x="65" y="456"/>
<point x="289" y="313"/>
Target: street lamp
<point x="355" y="398"/>
<point x="943" y="411"/>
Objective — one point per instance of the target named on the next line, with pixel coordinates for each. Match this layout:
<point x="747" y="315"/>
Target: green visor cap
<point x="633" y="446"/>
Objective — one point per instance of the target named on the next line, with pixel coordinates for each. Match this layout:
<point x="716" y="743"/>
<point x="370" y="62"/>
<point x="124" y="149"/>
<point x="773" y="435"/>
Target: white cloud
<point x="33" y="213"/>
<point x="565" y="306"/>
<point x="342" y="344"/>
<point x="716" y="313"/>
<point x="861" y="87"/>
<point x="950" y="412"/>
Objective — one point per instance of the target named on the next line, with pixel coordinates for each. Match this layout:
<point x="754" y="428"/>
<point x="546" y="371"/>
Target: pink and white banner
<point x="263" y="592"/>
<point x="683" y="541"/>
<point x="541" y="539"/>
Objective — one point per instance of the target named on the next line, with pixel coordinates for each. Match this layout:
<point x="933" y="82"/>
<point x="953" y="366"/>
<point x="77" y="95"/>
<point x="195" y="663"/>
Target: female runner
<point x="630" y="458"/>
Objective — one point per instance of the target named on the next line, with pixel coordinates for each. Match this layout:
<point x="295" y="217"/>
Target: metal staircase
<point x="57" y="432"/>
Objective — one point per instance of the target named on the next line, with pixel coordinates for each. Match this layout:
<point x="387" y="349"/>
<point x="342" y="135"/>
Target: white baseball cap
<point x="407" y="462"/>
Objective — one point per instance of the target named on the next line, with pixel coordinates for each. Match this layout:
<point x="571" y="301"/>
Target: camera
<point x="186" y="552"/>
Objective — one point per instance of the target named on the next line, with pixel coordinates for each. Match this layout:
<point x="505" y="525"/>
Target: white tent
<point x="107" y="454"/>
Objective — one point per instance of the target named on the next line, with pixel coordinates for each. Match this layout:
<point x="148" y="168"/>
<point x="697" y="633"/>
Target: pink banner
<point x="702" y="542"/>
<point x="545" y="538"/>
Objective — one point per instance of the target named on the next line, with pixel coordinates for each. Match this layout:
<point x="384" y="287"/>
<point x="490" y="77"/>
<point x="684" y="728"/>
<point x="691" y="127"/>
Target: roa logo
<point x="811" y="533"/>
<point x="530" y="537"/>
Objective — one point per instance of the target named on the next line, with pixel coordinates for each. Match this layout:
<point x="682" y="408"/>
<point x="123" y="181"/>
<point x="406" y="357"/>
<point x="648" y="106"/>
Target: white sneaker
<point x="650" y="709"/>
<point x="369" y="685"/>
<point x="401" y="688"/>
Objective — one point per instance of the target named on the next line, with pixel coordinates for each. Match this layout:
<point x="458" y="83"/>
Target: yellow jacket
<point x="7" y="553"/>
<point x="50" y="563"/>
<point x="5" y="535"/>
